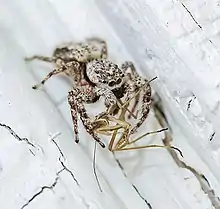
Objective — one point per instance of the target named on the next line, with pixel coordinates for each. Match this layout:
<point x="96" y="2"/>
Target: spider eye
<point x="111" y="83"/>
<point x="119" y="80"/>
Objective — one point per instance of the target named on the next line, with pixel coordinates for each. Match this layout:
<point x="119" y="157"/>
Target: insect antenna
<point x="94" y="167"/>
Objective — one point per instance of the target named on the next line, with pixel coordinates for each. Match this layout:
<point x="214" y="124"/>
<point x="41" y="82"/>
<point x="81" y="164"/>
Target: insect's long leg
<point x="136" y="100"/>
<point x="123" y="142"/>
<point x="42" y="58"/>
<point x="121" y="105"/>
<point x="150" y="146"/>
<point x="146" y="134"/>
<point x="120" y="125"/>
<point x="106" y="129"/>
<point x="124" y="138"/>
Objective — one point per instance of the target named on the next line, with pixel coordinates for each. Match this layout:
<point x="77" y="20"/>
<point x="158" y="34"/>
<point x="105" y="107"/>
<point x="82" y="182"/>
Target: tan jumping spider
<point x="94" y="76"/>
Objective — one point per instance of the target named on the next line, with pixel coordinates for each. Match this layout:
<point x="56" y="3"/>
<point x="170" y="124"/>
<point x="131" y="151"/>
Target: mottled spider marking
<point x="82" y="52"/>
<point x="75" y="98"/>
<point x="88" y="94"/>
<point x="146" y="105"/>
<point x="73" y="110"/>
<point x="105" y="74"/>
<point x="136" y="83"/>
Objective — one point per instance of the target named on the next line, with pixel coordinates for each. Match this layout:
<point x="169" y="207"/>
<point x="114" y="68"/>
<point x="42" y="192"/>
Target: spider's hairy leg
<point x="42" y="58"/>
<point x="125" y="66"/>
<point x="77" y="96"/>
<point x="146" y="105"/>
<point x="128" y="64"/>
<point x="73" y="110"/>
<point x="63" y="68"/>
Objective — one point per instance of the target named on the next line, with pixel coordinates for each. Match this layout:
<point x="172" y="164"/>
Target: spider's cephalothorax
<point x="105" y="74"/>
<point x="107" y="78"/>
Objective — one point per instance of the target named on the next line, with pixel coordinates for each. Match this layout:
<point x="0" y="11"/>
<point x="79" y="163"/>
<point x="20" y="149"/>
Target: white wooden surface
<point x="163" y="42"/>
<point x="178" y="41"/>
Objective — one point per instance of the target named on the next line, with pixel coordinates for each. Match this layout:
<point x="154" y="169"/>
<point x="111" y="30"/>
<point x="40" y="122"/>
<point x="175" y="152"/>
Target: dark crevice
<point x="62" y="163"/>
<point x="61" y="153"/>
<point x="69" y="171"/>
<point x="139" y="194"/>
<point x="149" y="205"/>
<point x="32" y="152"/>
<point x="184" y="6"/>
<point x="203" y="181"/>
<point x="190" y="103"/>
<point x="43" y="188"/>
<point x="16" y="135"/>
<point x="212" y="136"/>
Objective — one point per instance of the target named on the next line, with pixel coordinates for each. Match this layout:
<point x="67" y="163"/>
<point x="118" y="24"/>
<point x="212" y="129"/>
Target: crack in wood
<point x="204" y="183"/>
<point x="43" y="188"/>
<point x="16" y="136"/>
<point x="69" y="171"/>
<point x="136" y="189"/>
<point x="193" y="18"/>
<point x="61" y="162"/>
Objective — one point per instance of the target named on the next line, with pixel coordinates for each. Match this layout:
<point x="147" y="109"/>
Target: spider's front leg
<point x="68" y="68"/>
<point x="76" y="100"/>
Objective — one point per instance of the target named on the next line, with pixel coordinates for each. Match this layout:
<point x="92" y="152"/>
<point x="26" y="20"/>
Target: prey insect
<point x="124" y="142"/>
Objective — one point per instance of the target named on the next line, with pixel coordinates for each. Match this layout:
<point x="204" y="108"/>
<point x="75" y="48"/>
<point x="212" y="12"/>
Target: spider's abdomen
<point x="78" y="52"/>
